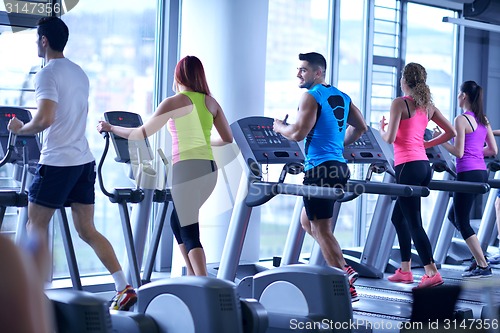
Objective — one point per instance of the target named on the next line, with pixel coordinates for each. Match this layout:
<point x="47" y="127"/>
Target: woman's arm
<point x="458" y="146"/>
<point x="491" y="145"/>
<point x="389" y="135"/>
<point x="171" y="107"/>
<point x="223" y="129"/>
<point x="441" y="121"/>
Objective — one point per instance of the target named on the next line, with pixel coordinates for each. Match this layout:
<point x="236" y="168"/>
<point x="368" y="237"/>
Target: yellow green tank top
<point x="191" y="133"/>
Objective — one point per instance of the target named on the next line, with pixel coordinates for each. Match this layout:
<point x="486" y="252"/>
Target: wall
<point x="230" y="39"/>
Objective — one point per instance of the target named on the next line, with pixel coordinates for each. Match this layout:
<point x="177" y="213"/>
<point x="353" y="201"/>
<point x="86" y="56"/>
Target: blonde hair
<point x="415" y="77"/>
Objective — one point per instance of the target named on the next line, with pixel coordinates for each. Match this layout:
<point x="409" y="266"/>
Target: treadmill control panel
<point x="124" y="147"/>
<point x="258" y="142"/>
<point x="260" y="136"/>
<point x="30" y="141"/>
<point x="437" y="154"/>
<point x="369" y="148"/>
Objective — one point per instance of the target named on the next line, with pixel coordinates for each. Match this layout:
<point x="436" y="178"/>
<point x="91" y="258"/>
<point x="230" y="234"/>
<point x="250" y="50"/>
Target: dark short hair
<point x="55" y="30"/>
<point x="314" y="58"/>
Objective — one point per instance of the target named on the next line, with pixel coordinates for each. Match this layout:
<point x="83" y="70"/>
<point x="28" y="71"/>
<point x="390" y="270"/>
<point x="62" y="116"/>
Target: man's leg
<point x="83" y="217"/>
<point x="304" y="221"/>
<point x="37" y="229"/>
<point x="321" y="230"/>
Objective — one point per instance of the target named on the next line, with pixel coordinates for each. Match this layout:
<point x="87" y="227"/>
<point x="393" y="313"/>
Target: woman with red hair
<point x="190" y="116"/>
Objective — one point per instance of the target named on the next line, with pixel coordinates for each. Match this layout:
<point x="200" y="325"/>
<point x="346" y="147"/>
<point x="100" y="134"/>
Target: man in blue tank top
<point x="322" y="118"/>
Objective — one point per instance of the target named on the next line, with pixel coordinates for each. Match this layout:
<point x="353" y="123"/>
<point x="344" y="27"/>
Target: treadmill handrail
<point x="132" y="195"/>
<point x="355" y="188"/>
<point x="458" y="186"/>
<point x="494" y="183"/>
<point x="11" y="143"/>
<point x="261" y="192"/>
<point x="401" y="190"/>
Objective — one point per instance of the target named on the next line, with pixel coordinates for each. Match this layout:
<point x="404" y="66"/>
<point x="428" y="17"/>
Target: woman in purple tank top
<point x="473" y="131"/>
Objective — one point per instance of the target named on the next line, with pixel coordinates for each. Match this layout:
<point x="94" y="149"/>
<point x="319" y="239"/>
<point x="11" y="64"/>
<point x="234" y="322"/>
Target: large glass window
<point x="350" y="81"/>
<point x="294" y="26"/>
<point x="114" y="42"/>
<point x="431" y="43"/>
<point x="19" y="62"/>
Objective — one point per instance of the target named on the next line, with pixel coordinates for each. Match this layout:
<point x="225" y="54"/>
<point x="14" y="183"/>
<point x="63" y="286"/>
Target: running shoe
<point x="472" y="265"/>
<point x="354" y="294"/>
<point x="400" y="276"/>
<point x="430" y="281"/>
<point x="124" y="299"/>
<point x="351" y="273"/>
<point x="478" y="272"/>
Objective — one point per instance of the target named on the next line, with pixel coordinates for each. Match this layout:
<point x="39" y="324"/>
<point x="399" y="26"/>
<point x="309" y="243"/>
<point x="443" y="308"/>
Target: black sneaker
<point x="473" y="264"/>
<point x="478" y="272"/>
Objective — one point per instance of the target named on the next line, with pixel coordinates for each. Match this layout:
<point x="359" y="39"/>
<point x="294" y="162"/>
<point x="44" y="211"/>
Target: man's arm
<point x="43" y="118"/>
<point x="357" y="125"/>
<point x="306" y="118"/>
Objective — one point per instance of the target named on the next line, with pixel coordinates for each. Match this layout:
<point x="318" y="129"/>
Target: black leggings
<point x="188" y="235"/>
<point x="407" y="217"/>
<point x="462" y="202"/>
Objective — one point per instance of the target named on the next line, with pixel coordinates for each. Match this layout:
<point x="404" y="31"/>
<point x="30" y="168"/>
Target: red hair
<point x="190" y="73"/>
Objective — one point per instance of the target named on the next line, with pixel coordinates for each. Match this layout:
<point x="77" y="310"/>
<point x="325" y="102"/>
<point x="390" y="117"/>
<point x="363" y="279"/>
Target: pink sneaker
<point x="428" y="281"/>
<point x="351" y="273"/>
<point x="400" y="276"/>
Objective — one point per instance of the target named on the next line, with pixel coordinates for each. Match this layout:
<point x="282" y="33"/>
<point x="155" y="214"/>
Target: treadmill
<point x="377" y="291"/>
<point x="380" y="300"/>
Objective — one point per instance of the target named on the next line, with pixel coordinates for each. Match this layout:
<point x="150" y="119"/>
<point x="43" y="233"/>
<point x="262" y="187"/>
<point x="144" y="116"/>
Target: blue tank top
<point x="325" y="141"/>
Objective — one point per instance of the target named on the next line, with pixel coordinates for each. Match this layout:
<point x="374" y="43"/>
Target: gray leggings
<point x="193" y="181"/>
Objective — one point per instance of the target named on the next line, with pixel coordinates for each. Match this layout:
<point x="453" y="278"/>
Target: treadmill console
<point x="437" y="154"/>
<point x="259" y="143"/>
<point x="30" y="141"/>
<point x="124" y="146"/>
<point x="369" y="148"/>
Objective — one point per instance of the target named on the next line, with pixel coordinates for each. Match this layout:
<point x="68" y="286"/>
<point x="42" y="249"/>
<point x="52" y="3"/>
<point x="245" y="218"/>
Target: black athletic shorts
<point x="327" y="174"/>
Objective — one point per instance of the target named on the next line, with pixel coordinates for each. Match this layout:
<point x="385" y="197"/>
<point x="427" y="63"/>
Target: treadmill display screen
<point x="363" y="142"/>
<point x="264" y="137"/>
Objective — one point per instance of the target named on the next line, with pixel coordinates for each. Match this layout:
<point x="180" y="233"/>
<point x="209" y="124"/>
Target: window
<point x="20" y="62"/>
<point x="432" y="44"/>
<point x="294" y="26"/>
<point x="115" y="45"/>
<point x="350" y="81"/>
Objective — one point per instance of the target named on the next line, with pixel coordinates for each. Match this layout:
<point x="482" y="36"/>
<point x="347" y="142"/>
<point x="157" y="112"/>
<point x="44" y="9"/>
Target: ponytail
<point x="474" y="94"/>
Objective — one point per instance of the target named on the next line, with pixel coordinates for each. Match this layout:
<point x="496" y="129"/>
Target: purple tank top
<point x="473" y="158"/>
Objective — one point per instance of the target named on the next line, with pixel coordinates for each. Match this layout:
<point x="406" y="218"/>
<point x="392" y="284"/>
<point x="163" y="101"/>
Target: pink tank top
<point x="409" y="143"/>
